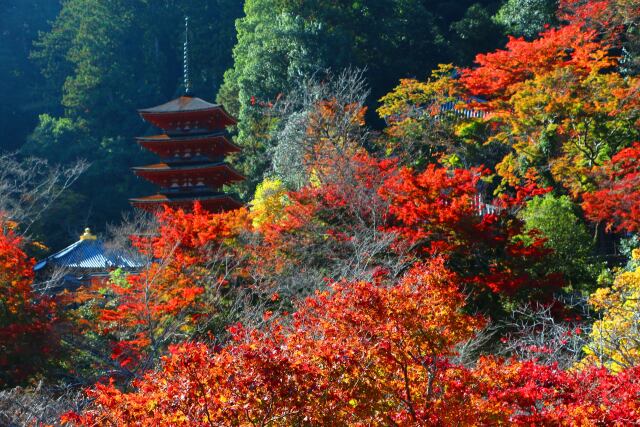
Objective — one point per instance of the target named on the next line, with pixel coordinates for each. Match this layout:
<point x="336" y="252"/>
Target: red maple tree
<point x="616" y="202"/>
<point x="142" y="313"/>
<point x="364" y="354"/>
<point x="27" y="319"/>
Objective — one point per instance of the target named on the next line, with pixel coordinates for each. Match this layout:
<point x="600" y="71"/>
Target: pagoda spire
<point x="185" y="58"/>
<point x="191" y="144"/>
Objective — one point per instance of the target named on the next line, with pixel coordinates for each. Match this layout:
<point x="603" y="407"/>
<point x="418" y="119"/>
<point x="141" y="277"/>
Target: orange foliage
<point x="27" y="320"/>
<point x="558" y="103"/>
<point x="363" y="354"/>
<point x="499" y="73"/>
<point x="141" y="311"/>
<point x="616" y="203"/>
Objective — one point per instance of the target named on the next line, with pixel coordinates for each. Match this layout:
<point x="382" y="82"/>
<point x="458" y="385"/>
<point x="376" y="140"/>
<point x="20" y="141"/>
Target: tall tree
<point x="27" y="319"/>
<point x="527" y="18"/>
<point x="285" y="41"/>
<point x="20" y="82"/>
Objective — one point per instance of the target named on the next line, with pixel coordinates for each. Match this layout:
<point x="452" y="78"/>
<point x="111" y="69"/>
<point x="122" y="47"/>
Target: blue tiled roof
<point x="464" y="112"/>
<point x="453" y="106"/>
<point x="90" y="255"/>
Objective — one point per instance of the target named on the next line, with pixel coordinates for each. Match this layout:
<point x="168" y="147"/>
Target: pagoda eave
<point x="196" y="122"/>
<point x="165" y="169"/>
<point x="212" y="146"/>
<point x="214" y="175"/>
<point x="211" y="203"/>
<point x="186" y="114"/>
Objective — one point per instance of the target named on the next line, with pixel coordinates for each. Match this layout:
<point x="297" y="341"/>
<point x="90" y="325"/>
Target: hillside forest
<point x="440" y="219"/>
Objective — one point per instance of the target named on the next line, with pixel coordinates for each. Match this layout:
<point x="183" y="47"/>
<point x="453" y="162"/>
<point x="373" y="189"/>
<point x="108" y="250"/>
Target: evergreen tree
<point x="20" y="82"/>
<point x="281" y="42"/>
<point x="567" y="236"/>
<point x="527" y="17"/>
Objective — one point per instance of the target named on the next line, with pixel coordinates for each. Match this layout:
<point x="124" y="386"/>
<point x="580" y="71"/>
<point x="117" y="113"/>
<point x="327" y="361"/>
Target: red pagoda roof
<point x="210" y="174"/>
<point x="212" y="203"/>
<point x="186" y="109"/>
<point x="212" y="145"/>
<point x="182" y="104"/>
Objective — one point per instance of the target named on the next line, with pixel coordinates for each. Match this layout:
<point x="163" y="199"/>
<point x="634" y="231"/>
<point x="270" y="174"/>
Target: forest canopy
<point x="438" y="222"/>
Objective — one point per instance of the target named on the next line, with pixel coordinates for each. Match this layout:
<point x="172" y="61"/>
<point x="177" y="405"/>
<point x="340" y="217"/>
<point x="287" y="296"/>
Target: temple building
<point x="84" y="262"/>
<point x="192" y="148"/>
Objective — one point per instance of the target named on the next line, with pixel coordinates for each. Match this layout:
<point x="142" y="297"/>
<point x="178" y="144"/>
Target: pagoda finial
<point x="87" y="235"/>
<point x="187" y="82"/>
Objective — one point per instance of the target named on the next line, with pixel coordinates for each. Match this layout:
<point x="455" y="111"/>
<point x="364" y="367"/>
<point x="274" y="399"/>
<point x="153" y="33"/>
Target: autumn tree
<point x="268" y="203"/>
<point x="583" y="122"/>
<point x="531" y="393"/>
<point x="615" y="20"/>
<point x="363" y="353"/>
<point x="178" y="295"/>
<point x="556" y="103"/>
<point x="542" y="333"/>
<point x="430" y="121"/>
<point x="615" y="336"/>
<point x="331" y="228"/>
<point x="553" y="107"/>
<point x="360" y="214"/>
<point x="616" y="201"/>
<point x="440" y="212"/>
<point x="320" y="121"/>
<point x="329" y="222"/>
<point x="27" y="319"/>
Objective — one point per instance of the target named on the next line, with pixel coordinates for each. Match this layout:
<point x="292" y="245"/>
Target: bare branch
<point x="28" y="187"/>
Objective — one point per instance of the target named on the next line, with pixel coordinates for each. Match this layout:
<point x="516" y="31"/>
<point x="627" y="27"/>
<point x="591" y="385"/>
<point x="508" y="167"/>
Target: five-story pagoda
<point x="192" y="147"/>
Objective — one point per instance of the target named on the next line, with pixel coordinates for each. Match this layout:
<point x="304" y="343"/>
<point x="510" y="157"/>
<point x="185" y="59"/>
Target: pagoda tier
<point x="211" y="202"/>
<point x="187" y="176"/>
<point x="188" y="114"/>
<point x="192" y="150"/>
<point x="212" y="146"/>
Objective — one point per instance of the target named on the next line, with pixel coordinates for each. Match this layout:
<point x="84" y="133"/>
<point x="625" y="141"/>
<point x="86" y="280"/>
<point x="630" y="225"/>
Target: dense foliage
<point x="469" y="257"/>
<point x="280" y="43"/>
<point x="20" y="79"/>
<point x="365" y="353"/>
<point x="27" y="319"/>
